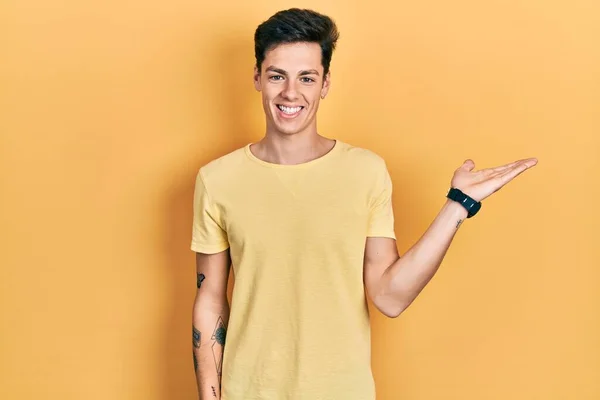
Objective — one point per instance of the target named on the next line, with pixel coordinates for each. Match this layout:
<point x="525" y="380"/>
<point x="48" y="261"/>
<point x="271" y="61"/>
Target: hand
<point x="481" y="184"/>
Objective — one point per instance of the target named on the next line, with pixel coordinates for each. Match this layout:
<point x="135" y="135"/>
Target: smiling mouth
<point x="290" y="110"/>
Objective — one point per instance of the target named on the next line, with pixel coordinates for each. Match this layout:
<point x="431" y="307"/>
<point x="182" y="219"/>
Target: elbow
<point x="392" y="313"/>
<point x="391" y="309"/>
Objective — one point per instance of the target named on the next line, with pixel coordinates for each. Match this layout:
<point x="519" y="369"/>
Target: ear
<point x="257" y="82"/>
<point x="326" y="85"/>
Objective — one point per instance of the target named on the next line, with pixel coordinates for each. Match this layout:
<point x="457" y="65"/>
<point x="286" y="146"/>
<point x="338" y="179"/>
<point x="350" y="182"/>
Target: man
<point x="308" y="226"/>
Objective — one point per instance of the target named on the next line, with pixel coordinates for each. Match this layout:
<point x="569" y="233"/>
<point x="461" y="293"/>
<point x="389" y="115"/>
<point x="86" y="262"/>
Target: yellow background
<point x="109" y="108"/>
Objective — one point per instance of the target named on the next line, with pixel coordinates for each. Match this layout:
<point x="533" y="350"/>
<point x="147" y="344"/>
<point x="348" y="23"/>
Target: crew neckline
<point x="318" y="160"/>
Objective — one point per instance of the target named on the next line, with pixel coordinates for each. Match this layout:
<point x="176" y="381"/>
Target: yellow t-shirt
<point x="299" y="323"/>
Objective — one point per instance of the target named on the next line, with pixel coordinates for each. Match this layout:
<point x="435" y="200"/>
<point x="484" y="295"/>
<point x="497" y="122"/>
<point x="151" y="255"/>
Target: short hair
<point x="293" y="26"/>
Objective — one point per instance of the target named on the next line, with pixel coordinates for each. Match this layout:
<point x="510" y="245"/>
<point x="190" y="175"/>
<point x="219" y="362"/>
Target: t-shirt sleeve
<point x="208" y="235"/>
<point x="381" y="214"/>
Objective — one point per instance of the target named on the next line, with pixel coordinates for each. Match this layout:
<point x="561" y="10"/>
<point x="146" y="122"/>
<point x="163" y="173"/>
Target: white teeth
<point x="289" y="110"/>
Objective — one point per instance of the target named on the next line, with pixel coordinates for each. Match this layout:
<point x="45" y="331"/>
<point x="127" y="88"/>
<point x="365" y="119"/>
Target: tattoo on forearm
<point x="214" y="391"/>
<point x="195" y="361"/>
<point x="196" y="337"/>
<point x="199" y="280"/>
<point x="458" y="223"/>
<point x="219" y="336"/>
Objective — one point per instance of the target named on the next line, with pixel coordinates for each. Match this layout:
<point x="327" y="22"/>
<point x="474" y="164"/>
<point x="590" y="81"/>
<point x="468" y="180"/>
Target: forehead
<point x="294" y="57"/>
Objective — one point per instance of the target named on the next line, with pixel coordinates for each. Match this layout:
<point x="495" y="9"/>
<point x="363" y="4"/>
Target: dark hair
<point x="296" y="25"/>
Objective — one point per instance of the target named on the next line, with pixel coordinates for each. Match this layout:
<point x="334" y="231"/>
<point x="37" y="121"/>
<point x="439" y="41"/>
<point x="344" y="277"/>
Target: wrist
<point x="457" y="211"/>
<point x="468" y="192"/>
<point x="471" y="205"/>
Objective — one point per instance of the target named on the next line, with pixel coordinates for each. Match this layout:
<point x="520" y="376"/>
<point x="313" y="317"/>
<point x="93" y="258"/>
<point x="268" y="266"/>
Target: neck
<point x="292" y="149"/>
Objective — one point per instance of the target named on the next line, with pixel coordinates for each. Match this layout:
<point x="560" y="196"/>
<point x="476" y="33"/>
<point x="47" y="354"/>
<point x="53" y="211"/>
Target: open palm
<point x="481" y="184"/>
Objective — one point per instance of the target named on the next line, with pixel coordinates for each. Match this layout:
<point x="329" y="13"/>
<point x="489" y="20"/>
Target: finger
<point x="491" y="172"/>
<point x="468" y="165"/>
<point x="504" y="167"/>
<point x="516" y="170"/>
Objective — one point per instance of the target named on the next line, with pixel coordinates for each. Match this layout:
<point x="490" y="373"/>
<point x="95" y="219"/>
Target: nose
<point x="289" y="91"/>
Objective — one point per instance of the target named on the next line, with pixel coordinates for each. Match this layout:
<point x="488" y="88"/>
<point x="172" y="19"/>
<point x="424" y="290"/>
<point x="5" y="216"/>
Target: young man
<point x="307" y="223"/>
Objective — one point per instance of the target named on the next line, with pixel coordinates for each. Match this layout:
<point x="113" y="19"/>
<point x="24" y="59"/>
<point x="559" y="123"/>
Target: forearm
<point x="210" y="322"/>
<point x="403" y="280"/>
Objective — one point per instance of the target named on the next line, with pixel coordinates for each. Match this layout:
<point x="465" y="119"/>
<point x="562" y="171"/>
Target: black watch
<point x="467" y="202"/>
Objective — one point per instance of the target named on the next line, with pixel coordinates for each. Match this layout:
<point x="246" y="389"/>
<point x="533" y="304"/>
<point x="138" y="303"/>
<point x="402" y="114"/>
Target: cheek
<point x="270" y="93"/>
<point x="266" y="96"/>
<point x="316" y="93"/>
<point x="315" y="98"/>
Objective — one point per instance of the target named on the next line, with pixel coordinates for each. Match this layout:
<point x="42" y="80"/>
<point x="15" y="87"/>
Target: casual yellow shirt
<point x="299" y="323"/>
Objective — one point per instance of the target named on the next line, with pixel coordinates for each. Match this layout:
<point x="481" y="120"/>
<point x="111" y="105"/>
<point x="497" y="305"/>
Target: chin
<point x="288" y="132"/>
<point x="288" y="129"/>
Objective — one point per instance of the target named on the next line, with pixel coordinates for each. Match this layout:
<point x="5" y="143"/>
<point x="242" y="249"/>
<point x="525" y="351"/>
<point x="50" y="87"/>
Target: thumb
<point x="468" y="165"/>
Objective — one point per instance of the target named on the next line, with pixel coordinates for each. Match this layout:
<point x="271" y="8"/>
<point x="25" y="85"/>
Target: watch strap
<point x="471" y="205"/>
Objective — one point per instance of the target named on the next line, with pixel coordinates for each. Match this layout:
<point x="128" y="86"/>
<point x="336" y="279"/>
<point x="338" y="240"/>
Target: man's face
<point x="292" y="83"/>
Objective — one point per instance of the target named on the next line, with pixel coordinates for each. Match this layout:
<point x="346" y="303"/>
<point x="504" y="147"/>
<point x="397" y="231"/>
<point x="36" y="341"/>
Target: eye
<point x="307" y="80"/>
<point x="275" y="77"/>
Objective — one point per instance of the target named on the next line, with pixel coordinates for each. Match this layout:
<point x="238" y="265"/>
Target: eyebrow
<point x="302" y="73"/>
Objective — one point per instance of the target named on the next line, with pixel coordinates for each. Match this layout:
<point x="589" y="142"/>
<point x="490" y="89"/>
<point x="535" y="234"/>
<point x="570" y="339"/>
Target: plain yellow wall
<point x="109" y="108"/>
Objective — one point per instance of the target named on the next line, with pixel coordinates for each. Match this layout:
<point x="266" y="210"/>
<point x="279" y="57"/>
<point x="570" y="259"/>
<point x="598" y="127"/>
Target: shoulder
<point x="363" y="158"/>
<point x="224" y="167"/>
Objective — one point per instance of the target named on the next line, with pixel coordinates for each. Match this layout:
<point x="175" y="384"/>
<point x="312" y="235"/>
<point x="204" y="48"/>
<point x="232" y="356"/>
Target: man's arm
<point x="393" y="282"/>
<point x="209" y="321"/>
